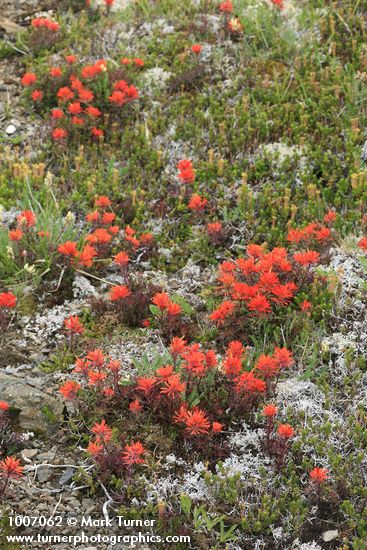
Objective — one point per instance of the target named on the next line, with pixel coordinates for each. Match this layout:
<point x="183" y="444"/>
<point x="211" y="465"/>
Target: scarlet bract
<point x="7" y="300"/>
<point x="79" y="101"/>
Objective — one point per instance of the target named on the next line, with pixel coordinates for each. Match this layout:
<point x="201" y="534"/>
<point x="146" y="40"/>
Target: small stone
<point x="67" y="476"/>
<point x="48" y="456"/>
<point x="10" y="130"/>
<point x="28" y="453"/>
<point x="44" y="473"/>
<point x="328" y="536"/>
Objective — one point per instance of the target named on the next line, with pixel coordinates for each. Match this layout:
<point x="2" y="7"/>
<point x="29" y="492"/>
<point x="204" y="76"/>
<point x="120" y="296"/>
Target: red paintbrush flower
<point x="161" y="300"/>
<point x="28" y="79"/>
<point x="26" y="218"/>
<point x="7" y="300"/>
<point x="15" y="235"/>
<point x="286" y="431"/>
<point x="145" y="384"/>
<point x="226" y="7"/>
<point x="59" y="133"/>
<point x="177" y="345"/>
<point x="196" y="422"/>
<point x="69" y="390"/>
<point x="85" y="257"/>
<point x="132" y="454"/>
<point x="4" y="406"/>
<point x="319" y="475"/>
<point x="217" y="427"/>
<point x="102" y="431"/>
<point x="306" y="258"/>
<point x="121" y="259"/>
<point x="68" y="248"/>
<point x="196" y="48"/>
<point x="259" y="305"/>
<point x="10" y="468"/>
<point x="135" y="406"/>
<point x="197" y="203"/>
<point x="173" y="387"/>
<point x="269" y="411"/>
<point x="94" y="448"/>
<point x="102" y="202"/>
<point x="119" y="292"/>
<point x="73" y="325"/>
<point x="363" y="244"/>
<point x="223" y="311"/>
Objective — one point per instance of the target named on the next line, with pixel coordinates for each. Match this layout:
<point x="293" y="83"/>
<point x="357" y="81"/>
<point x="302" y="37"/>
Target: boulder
<point x="39" y="412"/>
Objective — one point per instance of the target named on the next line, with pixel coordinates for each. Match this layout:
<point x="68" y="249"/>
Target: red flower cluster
<point x="270" y="366"/>
<point x="78" y="101"/>
<point x="249" y="385"/>
<point x="277" y="441"/>
<point x="162" y="389"/>
<point x="226" y="7"/>
<point x="137" y="62"/>
<point x="101" y="447"/>
<point x="164" y="303"/>
<point x="121" y="259"/>
<point x="144" y="242"/>
<point x="197" y="203"/>
<point x="123" y="93"/>
<point x="100" y="239"/>
<point x="256" y="284"/>
<point x="196" y="422"/>
<point x="214" y="228"/>
<point x="43" y="23"/>
<point x="4" y="406"/>
<point x="133" y="454"/>
<point x="196" y="362"/>
<point x="363" y="244"/>
<point x="186" y="171"/>
<point x="313" y="233"/>
<point x="7" y="300"/>
<point x="73" y="325"/>
<point x="99" y="373"/>
<point x="278" y="3"/>
<point x="74" y="328"/>
<point x="319" y="475"/>
<point x="69" y="390"/>
<point x="119" y="292"/>
<point x="25" y="220"/>
<point x="28" y="79"/>
<point x="10" y="468"/>
<point x="196" y="49"/>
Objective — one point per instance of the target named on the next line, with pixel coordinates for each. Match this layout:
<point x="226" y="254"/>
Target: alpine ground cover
<point x="183" y="269"/>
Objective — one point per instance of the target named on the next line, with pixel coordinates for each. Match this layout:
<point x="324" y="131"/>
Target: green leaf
<point x="363" y="261"/>
<point x="185" y="502"/>
<point x="154" y="309"/>
<point x="229" y="535"/>
<point x="186" y="308"/>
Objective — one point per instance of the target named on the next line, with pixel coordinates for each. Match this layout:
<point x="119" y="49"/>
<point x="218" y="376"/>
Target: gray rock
<point x="39" y="412"/>
<point x="328" y="536"/>
<point x="28" y="453"/>
<point x="48" y="456"/>
<point x="44" y="473"/>
<point x="67" y="476"/>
